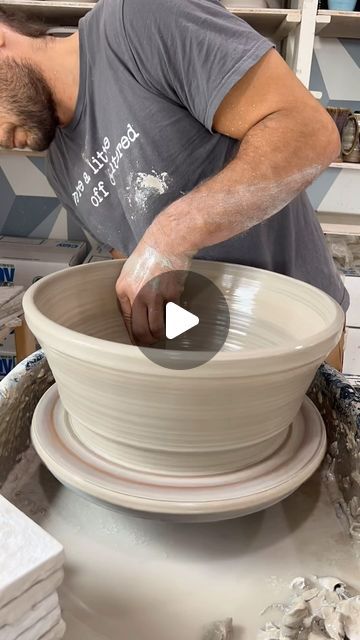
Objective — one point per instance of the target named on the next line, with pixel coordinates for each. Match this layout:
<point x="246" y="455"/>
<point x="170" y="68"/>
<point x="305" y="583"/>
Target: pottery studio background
<point x="29" y="207"/>
<point x="166" y="580"/>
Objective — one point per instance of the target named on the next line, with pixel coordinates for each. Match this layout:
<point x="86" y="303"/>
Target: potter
<point x="182" y="89"/>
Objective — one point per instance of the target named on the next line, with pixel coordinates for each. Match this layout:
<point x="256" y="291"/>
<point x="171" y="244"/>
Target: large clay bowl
<point x="219" y="417"/>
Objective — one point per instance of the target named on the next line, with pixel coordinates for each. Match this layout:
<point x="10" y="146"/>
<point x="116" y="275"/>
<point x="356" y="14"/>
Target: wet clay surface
<point x="128" y="577"/>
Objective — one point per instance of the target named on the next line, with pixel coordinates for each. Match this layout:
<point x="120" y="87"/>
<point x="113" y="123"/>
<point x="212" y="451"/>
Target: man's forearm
<point x="278" y="159"/>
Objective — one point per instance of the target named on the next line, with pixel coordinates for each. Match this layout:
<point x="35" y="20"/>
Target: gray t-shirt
<point x="152" y="75"/>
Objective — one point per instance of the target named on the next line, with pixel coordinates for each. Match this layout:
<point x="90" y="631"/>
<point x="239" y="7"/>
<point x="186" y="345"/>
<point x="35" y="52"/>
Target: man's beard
<point x="26" y="98"/>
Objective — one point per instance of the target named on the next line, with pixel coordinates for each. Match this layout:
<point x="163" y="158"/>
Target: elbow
<point x="327" y="144"/>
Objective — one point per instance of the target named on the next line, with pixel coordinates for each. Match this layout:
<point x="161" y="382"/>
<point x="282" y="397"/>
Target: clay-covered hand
<point x="153" y="275"/>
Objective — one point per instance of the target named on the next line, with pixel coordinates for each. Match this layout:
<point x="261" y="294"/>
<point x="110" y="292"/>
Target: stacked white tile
<point x="25" y="260"/>
<point x="352" y="345"/>
<point x="31" y="570"/>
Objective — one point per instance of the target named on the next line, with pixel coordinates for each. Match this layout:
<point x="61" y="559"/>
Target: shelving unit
<point x="53" y="12"/>
<point x="339" y="212"/>
<point x="338" y="24"/>
<point x="276" y="24"/>
<point x="272" y="23"/>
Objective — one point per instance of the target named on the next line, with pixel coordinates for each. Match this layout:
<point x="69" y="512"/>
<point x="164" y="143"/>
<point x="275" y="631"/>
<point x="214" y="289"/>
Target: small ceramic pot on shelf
<point x="341" y="117"/>
<point x="350" y="139"/>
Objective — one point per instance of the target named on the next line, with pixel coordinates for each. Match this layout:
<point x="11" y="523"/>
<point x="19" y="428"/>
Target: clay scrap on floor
<point x="220" y="630"/>
<point x="317" y="608"/>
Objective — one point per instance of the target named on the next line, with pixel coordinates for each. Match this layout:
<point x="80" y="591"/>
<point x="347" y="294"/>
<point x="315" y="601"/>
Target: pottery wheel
<point x="204" y="498"/>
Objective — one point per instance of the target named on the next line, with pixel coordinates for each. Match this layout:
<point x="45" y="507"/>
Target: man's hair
<point x="22" y="24"/>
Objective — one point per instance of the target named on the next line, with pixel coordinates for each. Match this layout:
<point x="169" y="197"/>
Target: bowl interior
<point x="266" y="310"/>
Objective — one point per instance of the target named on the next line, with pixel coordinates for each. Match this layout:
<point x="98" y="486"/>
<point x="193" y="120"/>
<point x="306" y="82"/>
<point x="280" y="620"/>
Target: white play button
<point x="196" y="328"/>
<point x="178" y="320"/>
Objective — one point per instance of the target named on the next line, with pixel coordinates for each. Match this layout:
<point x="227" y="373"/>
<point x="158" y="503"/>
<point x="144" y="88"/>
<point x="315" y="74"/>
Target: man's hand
<point x="149" y="279"/>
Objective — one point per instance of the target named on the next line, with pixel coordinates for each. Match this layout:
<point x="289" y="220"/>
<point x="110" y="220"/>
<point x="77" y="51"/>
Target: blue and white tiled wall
<point x="336" y="73"/>
<point x="28" y="206"/>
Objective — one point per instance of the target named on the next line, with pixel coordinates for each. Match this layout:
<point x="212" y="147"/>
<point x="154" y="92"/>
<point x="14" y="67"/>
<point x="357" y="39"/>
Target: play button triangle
<point x="178" y="320"/>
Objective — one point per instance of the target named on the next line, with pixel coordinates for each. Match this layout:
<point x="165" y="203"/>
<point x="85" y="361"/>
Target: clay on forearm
<point x="277" y="160"/>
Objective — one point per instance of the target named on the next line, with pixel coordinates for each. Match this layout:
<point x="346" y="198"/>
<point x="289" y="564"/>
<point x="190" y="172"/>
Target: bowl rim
<point x="35" y="317"/>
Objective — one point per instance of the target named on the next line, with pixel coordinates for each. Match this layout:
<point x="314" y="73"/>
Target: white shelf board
<point x="340" y="224"/>
<point x="51" y="11"/>
<point x="338" y="24"/>
<point x="346" y="165"/>
<point x="22" y="152"/>
<point x="274" y="23"/>
<point x="338" y="229"/>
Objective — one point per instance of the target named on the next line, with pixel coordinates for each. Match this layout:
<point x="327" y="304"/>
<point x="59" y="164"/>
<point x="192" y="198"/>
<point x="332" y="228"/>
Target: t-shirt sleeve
<point x="191" y="51"/>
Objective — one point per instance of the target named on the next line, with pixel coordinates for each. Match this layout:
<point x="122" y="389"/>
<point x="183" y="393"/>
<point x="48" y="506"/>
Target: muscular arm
<point x="287" y="140"/>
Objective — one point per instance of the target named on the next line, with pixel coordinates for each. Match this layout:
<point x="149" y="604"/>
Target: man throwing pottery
<point x="174" y="131"/>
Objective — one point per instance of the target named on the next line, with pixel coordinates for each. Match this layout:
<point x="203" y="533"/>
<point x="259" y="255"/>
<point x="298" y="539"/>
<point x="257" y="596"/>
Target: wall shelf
<point x="23" y="152"/>
<point x="272" y="23"/>
<point x="51" y="11"/>
<point x="345" y="165"/>
<point x="338" y="24"/>
<point x="339" y="224"/>
<point x="340" y="229"/>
